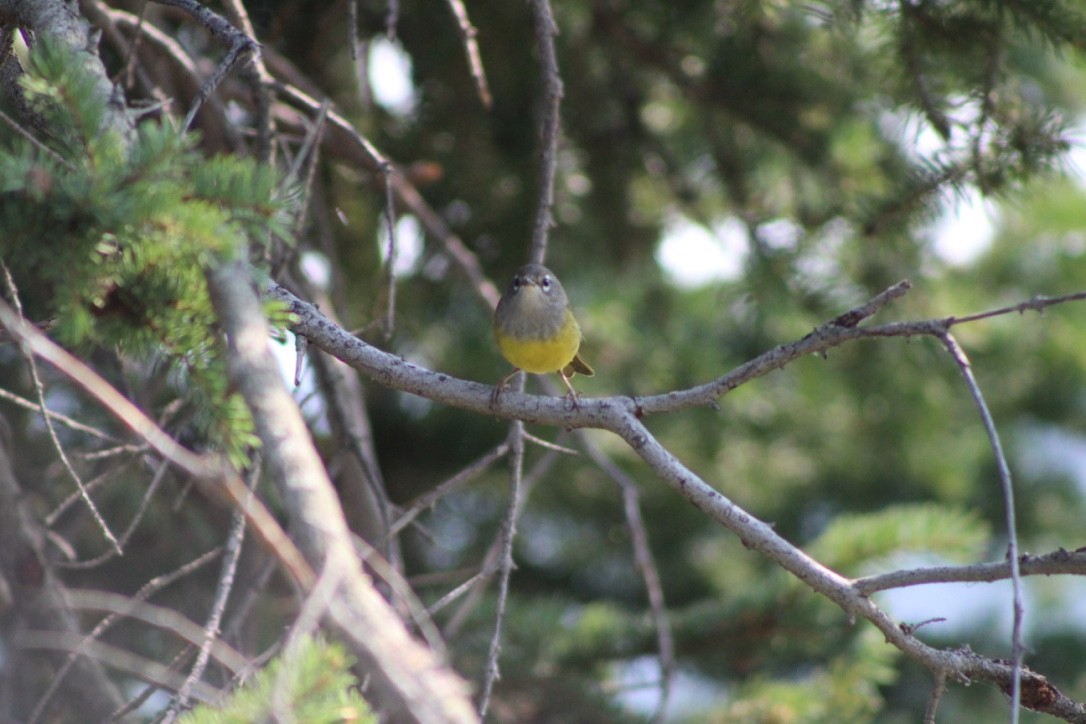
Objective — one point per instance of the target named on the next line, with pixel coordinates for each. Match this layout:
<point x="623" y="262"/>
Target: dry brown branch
<point x="140" y="667"/>
<point x="160" y="617"/>
<point x="38" y="600"/>
<point x="39" y="388"/>
<point x="471" y="48"/>
<point x="146" y="591"/>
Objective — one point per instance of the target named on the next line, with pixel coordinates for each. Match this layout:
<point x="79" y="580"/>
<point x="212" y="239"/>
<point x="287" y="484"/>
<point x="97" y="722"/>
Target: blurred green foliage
<point x="311" y="683"/>
<point x="834" y="135"/>
<point x="828" y="137"/>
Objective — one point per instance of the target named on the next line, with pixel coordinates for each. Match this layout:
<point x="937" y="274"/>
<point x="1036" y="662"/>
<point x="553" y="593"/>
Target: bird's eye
<point x="516" y="282"/>
<point x="545" y="283"/>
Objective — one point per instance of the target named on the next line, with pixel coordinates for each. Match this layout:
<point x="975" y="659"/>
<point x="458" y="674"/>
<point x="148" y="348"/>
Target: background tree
<point x="815" y="143"/>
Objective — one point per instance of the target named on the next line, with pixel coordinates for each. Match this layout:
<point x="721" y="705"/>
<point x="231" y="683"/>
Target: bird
<point x="535" y="329"/>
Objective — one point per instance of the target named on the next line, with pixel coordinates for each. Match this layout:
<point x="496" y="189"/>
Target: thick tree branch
<point x="407" y="678"/>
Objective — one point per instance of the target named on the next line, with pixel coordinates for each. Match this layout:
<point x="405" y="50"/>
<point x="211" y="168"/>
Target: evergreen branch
<point x="913" y="64"/>
<point x="1053" y="19"/>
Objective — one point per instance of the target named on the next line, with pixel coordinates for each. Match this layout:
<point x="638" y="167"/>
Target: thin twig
<point x="248" y="596"/>
<point x="113" y="452"/>
<point x="346" y="139"/>
<point x="180" y="660"/>
<point x="314" y="607"/>
<point x="39" y="389"/>
<point x="261" y="81"/>
<point x="147" y="590"/>
<point x="145" y="502"/>
<point x="1050" y="564"/>
<point x="240" y="46"/>
<point x="160" y="617"/>
<point x="32" y="140"/>
<point x="352" y="30"/>
<point x="392" y="19"/>
<point x="545" y="30"/>
<point x="346" y="410"/>
<point x="466" y="475"/>
<point x="73" y="497"/>
<point x="488" y="569"/>
<point x="137" y="666"/>
<point x="213" y="627"/>
<point x="548" y="445"/>
<point x="233" y="56"/>
<point x="1017" y="646"/>
<point x="508" y="534"/>
<point x="646" y="566"/>
<point x="308" y="155"/>
<point x="936" y="695"/>
<point x="404" y="593"/>
<point x="62" y="419"/>
<point x="390" y="254"/>
<point x="468" y="35"/>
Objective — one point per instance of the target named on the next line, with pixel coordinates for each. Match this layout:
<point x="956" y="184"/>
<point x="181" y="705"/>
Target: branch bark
<point x="407" y="679"/>
<point x="622" y="416"/>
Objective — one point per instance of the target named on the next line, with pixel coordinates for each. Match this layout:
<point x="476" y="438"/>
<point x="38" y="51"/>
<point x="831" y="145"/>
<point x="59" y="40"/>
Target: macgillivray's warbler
<point x="535" y="328"/>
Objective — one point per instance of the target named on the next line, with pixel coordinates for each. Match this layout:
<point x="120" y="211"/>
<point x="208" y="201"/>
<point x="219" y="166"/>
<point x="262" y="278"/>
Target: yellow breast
<point x="540" y="356"/>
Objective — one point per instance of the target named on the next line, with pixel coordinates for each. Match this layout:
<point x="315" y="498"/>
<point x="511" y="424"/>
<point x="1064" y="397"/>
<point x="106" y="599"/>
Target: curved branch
<point x="621" y="416"/>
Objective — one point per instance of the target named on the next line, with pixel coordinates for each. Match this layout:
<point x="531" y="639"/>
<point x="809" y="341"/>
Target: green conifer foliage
<point x="110" y="239"/>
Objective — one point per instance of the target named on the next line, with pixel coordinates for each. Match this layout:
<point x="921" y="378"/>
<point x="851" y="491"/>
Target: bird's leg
<point x="500" y="386"/>
<point x="572" y="396"/>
